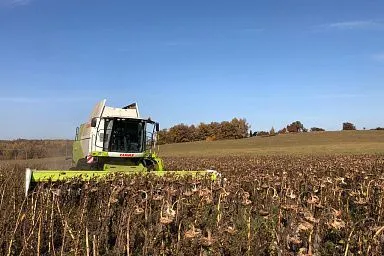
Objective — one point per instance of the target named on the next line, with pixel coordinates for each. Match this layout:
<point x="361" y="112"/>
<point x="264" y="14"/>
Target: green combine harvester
<point x="115" y="140"/>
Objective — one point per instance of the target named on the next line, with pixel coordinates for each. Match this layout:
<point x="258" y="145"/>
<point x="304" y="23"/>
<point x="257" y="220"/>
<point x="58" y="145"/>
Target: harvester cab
<point x="114" y="140"/>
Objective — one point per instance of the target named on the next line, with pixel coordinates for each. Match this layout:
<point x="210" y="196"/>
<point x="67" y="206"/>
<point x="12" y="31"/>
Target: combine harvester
<point x="115" y="140"/>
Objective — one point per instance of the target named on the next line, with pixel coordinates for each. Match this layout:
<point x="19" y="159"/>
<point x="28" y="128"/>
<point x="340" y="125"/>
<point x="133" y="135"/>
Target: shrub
<point x="317" y="129"/>
<point x="262" y="133"/>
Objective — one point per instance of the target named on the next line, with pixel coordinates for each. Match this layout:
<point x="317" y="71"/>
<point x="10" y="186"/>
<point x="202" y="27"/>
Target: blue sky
<point x="271" y="62"/>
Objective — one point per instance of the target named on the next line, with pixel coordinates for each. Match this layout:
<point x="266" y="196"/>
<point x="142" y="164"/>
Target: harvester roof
<point x="101" y="110"/>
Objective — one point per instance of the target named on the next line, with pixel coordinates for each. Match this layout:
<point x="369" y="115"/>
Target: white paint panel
<point x="100" y="135"/>
<point x="119" y="112"/>
<point x="85" y="131"/>
<point x="98" y="109"/>
<point x="117" y="154"/>
<point x="85" y="144"/>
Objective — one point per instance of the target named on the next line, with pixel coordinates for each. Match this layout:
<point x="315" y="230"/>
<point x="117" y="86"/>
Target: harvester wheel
<point x="151" y="165"/>
<point x="82" y="164"/>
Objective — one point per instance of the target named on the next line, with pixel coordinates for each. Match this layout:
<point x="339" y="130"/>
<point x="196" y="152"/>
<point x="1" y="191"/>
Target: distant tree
<point x="299" y="124"/>
<point x="226" y="130"/>
<point x="292" y="128"/>
<point x="282" y="131"/>
<point x="262" y="133"/>
<point x="163" y="137"/>
<point x="240" y="126"/>
<point x="296" y="126"/>
<point x="348" y="126"/>
<point x="235" y="129"/>
<point x="272" y="131"/>
<point x="316" y="129"/>
<point x="214" y="128"/>
<point x="250" y="133"/>
<point x="193" y="133"/>
<point x="204" y="131"/>
<point x="181" y="133"/>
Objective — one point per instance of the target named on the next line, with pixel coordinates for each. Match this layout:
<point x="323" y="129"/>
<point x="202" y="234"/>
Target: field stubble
<point x="270" y="205"/>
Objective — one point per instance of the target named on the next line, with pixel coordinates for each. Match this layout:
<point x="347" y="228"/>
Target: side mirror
<point x="93" y="122"/>
<point x="157" y="127"/>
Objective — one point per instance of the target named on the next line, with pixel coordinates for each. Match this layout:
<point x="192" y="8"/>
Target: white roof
<point x="119" y="112"/>
<point x="101" y="110"/>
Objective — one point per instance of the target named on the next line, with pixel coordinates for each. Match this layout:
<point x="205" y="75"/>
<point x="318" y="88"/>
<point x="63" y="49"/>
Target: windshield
<point x="123" y="135"/>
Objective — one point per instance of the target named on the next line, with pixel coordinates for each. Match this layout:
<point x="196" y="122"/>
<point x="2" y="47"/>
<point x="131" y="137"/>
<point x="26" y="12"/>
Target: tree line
<point x="29" y="149"/>
<point x="237" y="128"/>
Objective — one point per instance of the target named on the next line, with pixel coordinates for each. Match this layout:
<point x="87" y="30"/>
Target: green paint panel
<point x="124" y="168"/>
<point x="159" y="161"/>
<point x="77" y="152"/>
<point x="59" y="175"/>
<point x="99" y="153"/>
